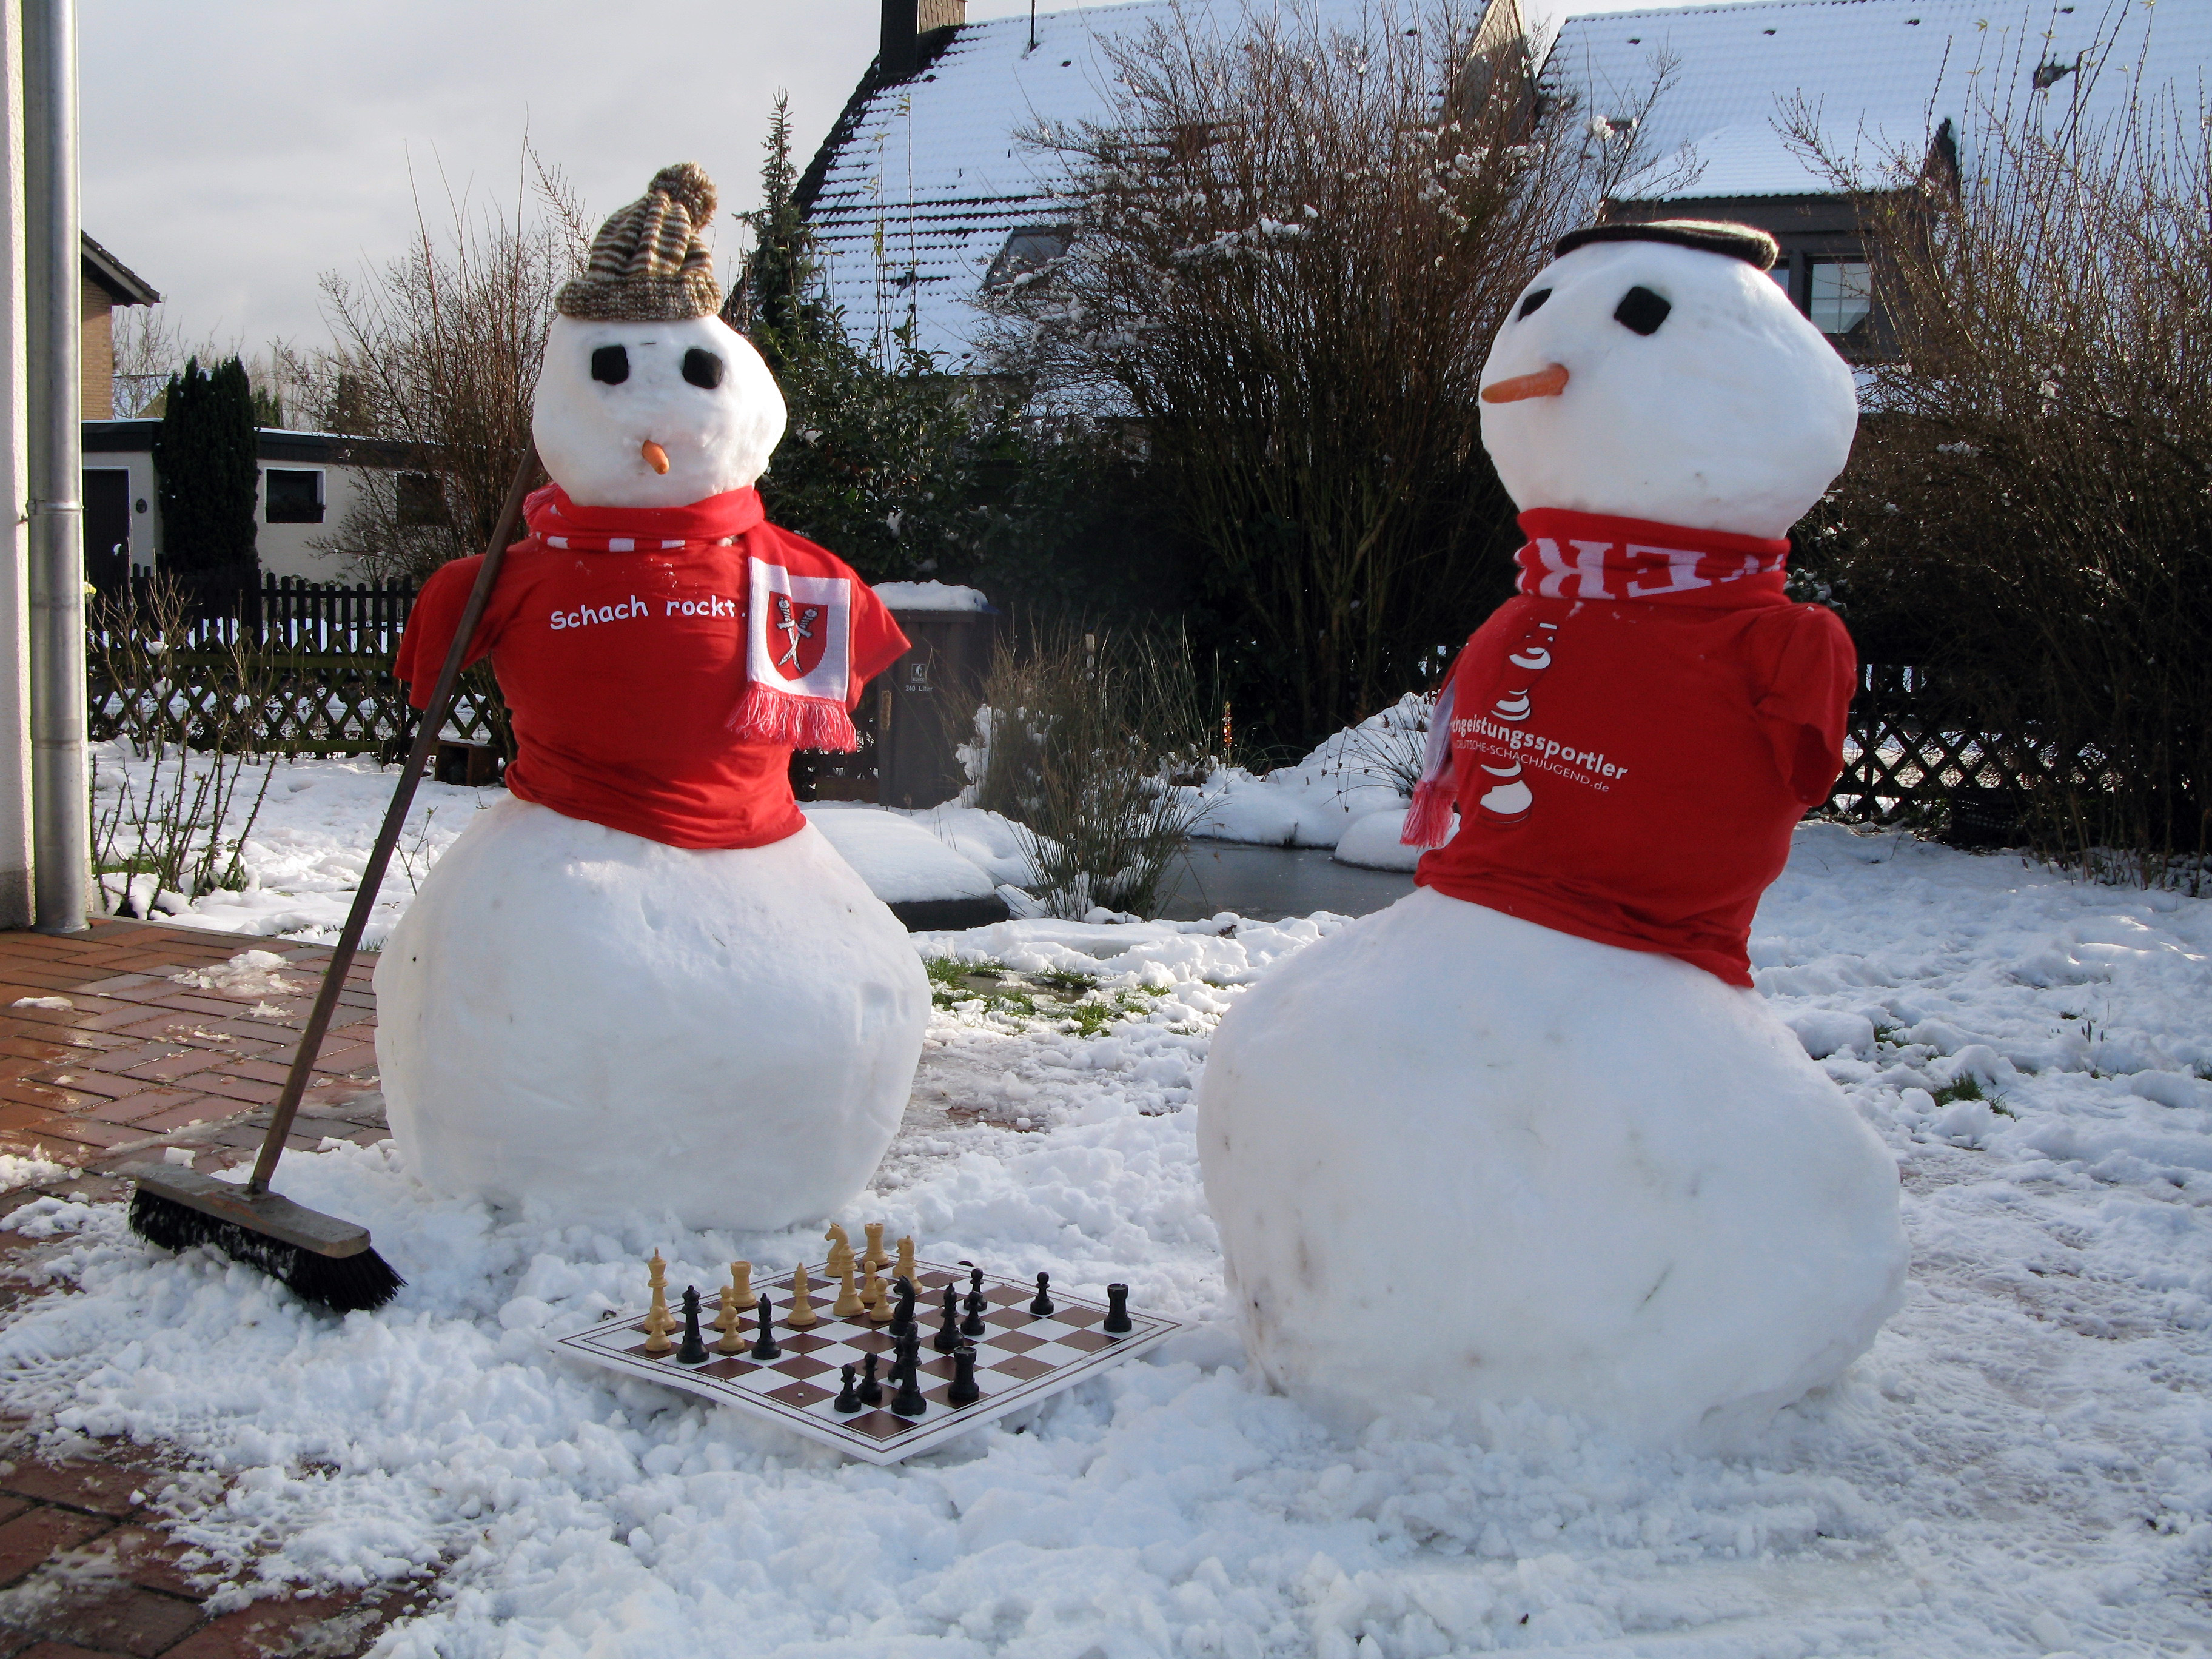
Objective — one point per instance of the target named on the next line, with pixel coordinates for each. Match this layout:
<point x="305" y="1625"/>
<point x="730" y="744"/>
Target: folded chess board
<point x="1020" y="1359"/>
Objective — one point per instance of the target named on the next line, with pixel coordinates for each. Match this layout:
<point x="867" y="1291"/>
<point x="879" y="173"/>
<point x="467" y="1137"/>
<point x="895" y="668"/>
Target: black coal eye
<point x="1534" y="302"/>
<point x="610" y="364"/>
<point x="702" y="368"/>
<point x="1641" y="311"/>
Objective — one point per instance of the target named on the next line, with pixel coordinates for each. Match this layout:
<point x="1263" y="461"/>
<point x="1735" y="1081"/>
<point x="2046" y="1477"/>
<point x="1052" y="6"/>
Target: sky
<point x="233" y="150"/>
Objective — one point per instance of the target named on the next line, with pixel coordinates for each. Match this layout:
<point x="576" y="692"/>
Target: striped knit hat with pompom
<point x="647" y="264"/>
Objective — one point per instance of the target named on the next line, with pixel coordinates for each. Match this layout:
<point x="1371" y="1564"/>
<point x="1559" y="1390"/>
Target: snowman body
<point x="671" y="996"/>
<point x="579" y="1018"/>
<point x="1459" y="1155"/>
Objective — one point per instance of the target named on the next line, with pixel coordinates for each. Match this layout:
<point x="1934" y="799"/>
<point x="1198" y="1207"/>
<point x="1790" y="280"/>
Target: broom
<point x="322" y="1258"/>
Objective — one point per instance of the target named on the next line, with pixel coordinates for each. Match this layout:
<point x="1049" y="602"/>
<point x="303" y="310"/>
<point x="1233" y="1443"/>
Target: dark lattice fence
<point x="323" y="651"/>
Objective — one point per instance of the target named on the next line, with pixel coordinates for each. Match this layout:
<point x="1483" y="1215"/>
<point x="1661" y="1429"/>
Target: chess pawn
<point x="849" y="1305"/>
<point x="873" y="1300"/>
<point x="849" y="1397"/>
<point x="875" y="1257"/>
<point x="871" y="1391"/>
<point x="976" y="1303"/>
<point x="801" y="1314"/>
<point x="905" y="1268"/>
<point x="948" y="1335"/>
<point x="1041" y="1308"/>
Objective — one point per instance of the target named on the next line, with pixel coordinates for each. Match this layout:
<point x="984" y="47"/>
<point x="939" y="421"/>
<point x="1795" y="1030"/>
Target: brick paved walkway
<point x="137" y="1061"/>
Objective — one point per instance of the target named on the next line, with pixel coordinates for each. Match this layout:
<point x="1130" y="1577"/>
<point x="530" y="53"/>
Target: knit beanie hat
<point x="647" y="264"/>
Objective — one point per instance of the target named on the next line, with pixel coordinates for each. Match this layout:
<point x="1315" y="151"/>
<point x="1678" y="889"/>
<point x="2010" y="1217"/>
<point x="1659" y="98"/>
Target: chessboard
<point x="1020" y="1359"/>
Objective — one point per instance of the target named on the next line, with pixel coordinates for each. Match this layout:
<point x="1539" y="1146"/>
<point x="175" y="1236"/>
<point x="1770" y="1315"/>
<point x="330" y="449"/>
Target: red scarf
<point x="1586" y="557"/>
<point x="799" y="616"/>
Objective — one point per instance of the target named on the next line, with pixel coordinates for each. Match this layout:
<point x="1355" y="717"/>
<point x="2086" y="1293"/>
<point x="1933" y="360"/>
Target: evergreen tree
<point x="784" y="313"/>
<point x="205" y="453"/>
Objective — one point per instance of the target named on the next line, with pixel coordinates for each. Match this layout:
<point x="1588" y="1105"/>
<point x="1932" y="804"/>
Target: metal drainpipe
<point x="61" y="841"/>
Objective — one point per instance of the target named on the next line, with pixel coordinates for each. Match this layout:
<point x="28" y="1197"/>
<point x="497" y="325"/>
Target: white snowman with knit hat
<point x="1530" y="1133"/>
<point x="643" y="983"/>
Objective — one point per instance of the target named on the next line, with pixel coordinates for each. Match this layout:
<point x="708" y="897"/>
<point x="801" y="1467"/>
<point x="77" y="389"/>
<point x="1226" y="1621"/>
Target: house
<point x="923" y="196"/>
<point x="105" y="283"/>
<point x="308" y="481"/>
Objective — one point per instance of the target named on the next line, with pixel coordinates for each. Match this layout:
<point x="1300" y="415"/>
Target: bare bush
<point x="438" y="354"/>
<point x="2028" y="510"/>
<point x="189" y="720"/>
<point x="1291" y="247"/>
<point x="1086" y="736"/>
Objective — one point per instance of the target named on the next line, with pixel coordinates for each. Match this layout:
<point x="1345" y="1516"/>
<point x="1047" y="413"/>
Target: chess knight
<point x="1530" y="1133"/>
<point x="642" y="982"/>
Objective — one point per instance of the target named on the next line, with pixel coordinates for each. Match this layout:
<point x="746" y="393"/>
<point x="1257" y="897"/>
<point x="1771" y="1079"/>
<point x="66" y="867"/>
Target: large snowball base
<point x="1457" y="1156"/>
<point x="576" y="1016"/>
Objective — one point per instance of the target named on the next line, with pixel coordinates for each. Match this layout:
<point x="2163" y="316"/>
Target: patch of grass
<point x="1969" y="1087"/>
<point x="1067" y="981"/>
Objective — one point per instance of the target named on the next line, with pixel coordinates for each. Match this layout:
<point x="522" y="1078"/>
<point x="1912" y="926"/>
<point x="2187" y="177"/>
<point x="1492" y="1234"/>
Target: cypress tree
<point x="205" y="453"/>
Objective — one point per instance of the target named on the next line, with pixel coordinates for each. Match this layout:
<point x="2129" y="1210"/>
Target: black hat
<point x="1746" y="242"/>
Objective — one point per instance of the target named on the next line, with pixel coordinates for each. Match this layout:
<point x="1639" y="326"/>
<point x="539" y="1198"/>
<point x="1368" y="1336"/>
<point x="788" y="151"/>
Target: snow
<point x="931" y="596"/>
<point x="592" y="433"/>
<point x="1663" y="1216"/>
<point x="900" y="860"/>
<point x="576" y="1019"/>
<point x="1350" y="775"/>
<point x="1680" y="426"/>
<point x="1374" y="841"/>
<point x="2021" y="1464"/>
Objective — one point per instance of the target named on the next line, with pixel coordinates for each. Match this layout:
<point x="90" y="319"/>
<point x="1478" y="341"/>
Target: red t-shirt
<point x="621" y="669"/>
<point x="1636" y="733"/>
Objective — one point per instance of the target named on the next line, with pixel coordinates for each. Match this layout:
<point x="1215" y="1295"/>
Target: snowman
<point x="1529" y="1133"/>
<point x="642" y="983"/>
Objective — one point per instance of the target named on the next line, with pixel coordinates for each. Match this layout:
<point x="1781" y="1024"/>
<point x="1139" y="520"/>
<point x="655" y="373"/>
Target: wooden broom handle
<point x="395" y="817"/>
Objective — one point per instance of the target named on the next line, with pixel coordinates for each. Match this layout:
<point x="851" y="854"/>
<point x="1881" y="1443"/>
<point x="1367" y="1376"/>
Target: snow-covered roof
<point x="930" y="179"/>
<point x="1881" y="76"/>
<point x="921" y="195"/>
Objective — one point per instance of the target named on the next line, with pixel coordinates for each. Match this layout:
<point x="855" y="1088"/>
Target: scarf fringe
<point x="1429" y="820"/>
<point x="766" y="716"/>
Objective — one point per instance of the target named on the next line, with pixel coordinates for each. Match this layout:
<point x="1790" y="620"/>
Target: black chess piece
<point x="963" y="1391"/>
<point x="1117" y="1321"/>
<point x="871" y="1391"/>
<point x="1041" y="1308"/>
<point x="849" y="1397"/>
<point x="948" y="1336"/>
<point x="692" y="1351"/>
<point x="977" y="1304"/>
<point x="903" y="1315"/>
<point x="765" y="1347"/>
<point x="909" y="1402"/>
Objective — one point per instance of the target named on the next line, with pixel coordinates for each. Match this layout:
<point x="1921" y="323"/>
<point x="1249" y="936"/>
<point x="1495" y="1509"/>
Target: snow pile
<point x="930" y="596"/>
<point x="248" y="974"/>
<point x="1360" y="778"/>
<point x="899" y="858"/>
<point x="2022" y="1464"/>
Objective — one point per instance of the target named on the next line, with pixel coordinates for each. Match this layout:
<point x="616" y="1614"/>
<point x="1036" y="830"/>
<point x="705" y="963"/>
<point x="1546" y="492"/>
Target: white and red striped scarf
<point x="798" y="612"/>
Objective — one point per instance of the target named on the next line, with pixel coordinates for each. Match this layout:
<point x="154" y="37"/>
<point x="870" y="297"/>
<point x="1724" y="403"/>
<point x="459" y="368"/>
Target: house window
<point x="421" y="499"/>
<point x="292" y="495"/>
<point x="1026" y="252"/>
<point x="1841" y="295"/>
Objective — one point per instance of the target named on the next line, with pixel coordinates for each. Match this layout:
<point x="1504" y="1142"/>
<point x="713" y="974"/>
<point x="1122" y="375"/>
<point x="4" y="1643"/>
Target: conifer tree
<point x="785" y="314"/>
<point x="205" y="453"/>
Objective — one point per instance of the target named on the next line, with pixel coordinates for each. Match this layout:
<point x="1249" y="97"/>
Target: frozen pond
<point x="1269" y="884"/>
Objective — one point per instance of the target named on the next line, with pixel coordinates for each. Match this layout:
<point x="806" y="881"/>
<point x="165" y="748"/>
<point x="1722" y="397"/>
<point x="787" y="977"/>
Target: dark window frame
<point x="292" y="511"/>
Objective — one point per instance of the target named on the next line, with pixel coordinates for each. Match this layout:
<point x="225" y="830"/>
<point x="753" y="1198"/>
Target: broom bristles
<point x="345" y="1283"/>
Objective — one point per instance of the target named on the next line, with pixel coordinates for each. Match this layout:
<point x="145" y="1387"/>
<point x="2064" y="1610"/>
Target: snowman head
<point x="1655" y="371"/>
<point x="646" y="397"/>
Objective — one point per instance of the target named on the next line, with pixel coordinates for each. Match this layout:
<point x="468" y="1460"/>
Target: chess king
<point x="1530" y="1133"/>
<point x="642" y="982"/>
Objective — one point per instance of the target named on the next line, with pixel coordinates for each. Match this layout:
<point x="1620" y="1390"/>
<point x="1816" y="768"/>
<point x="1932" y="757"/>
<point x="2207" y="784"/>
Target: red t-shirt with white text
<point x="1637" y="733"/>
<point x="621" y="668"/>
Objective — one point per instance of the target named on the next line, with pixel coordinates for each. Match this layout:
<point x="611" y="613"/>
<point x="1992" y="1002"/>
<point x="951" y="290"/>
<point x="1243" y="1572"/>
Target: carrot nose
<point x="1547" y="382"/>
<point x="657" y="457"/>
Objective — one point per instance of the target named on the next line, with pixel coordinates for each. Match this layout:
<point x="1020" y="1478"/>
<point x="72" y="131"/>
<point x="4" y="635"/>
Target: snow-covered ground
<point x="1349" y="793"/>
<point x="2022" y="1465"/>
